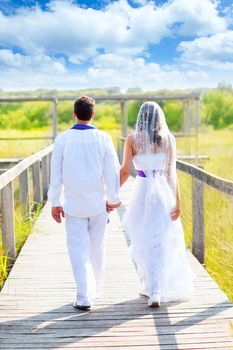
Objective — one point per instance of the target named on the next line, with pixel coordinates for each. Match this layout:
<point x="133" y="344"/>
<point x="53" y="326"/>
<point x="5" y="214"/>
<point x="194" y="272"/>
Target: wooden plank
<point x="24" y="193"/>
<point x="124" y="117"/>
<point x="8" y="230"/>
<point x="12" y="173"/>
<point x="54" y="117"/>
<point x="36" y="310"/>
<point x="198" y="239"/>
<point x="36" y="181"/>
<point x="210" y="179"/>
<point x="192" y="96"/>
<point x="45" y="177"/>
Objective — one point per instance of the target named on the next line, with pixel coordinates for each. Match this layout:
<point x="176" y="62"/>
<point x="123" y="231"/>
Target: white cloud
<point x="196" y="17"/>
<point x="67" y="29"/>
<point x="41" y="62"/>
<point x="215" y="51"/>
<point x="114" y="41"/>
<point x="121" y="71"/>
<point x="108" y="70"/>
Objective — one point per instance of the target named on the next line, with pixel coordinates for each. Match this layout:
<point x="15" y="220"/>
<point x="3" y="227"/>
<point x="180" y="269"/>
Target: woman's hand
<point x="176" y="212"/>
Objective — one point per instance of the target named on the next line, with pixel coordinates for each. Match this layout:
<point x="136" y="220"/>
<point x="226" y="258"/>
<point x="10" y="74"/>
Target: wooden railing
<point x="39" y="164"/>
<point x="199" y="178"/>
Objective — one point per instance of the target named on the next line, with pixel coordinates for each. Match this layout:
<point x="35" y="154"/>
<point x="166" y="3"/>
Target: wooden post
<point x="45" y="178"/>
<point x="120" y="149"/>
<point x="54" y="118"/>
<point x="49" y="165"/>
<point x="36" y="180"/>
<point x="198" y="241"/>
<point x="24" y="193"/>
<point x="124" y="118"/>
<point x="196" y="126"/>
<point x="8" y="230"/>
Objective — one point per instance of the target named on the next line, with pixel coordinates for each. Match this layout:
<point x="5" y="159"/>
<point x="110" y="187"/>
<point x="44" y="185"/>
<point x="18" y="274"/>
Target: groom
<point x="85" y="173"/>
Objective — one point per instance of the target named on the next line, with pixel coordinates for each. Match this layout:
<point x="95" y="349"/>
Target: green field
<point x="218" y="145"/>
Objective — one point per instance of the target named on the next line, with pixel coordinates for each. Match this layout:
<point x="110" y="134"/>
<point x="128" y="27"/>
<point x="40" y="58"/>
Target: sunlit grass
<point x="22" y="148"/>
<point x="218" y="145"/>
<point x="23" y="227"/>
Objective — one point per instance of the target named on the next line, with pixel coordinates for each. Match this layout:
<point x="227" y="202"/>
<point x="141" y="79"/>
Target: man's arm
<point x="55" y="186"/>
<point x="112" y="175"/>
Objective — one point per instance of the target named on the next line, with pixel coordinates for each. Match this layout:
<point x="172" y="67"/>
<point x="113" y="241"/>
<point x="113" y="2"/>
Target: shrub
<point x="217" y="108"/>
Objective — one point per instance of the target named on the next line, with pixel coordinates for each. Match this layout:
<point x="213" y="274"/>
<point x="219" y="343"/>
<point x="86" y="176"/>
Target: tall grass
<point x="218" y="145"/>
<point x="23" y="227"/>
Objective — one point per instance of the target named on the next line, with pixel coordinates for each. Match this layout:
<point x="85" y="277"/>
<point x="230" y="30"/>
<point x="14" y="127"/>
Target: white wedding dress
<point x="157" y="243"/>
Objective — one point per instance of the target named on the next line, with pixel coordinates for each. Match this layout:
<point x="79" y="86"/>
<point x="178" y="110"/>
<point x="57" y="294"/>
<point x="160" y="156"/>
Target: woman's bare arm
<point x="127" y="160"/>
<point x="176" y="212"/>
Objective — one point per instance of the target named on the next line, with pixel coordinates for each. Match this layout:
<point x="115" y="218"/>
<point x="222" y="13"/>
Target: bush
<point x="65" y="112"/>
<point x="173" y="111"/>
<point x="133" y="109"/>
<point x="174" y="114"/>
<point x="107" y="116"/>
<point x="25" y="115"/>
<point x="217" y="108"/>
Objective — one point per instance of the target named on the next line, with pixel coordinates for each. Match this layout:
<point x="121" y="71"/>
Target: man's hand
<point x="175" y="213"/>
<point x="57" y="213"/>
<point x="111" y="207"/>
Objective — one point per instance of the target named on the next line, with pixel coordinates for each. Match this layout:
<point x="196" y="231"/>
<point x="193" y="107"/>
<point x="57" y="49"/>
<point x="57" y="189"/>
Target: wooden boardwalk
<point x="36" y="311"/>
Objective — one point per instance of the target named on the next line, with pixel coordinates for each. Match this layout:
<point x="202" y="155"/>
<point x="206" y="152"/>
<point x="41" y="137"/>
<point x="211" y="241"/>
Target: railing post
<point x="49" y="165"/>
<point x="24" y="193"/>
<point x="36" y="180"/>
<point x="124" y="117"/>
<point x="45" y="178"/>
<point x="8" y="229"/>
<point x="120" y="149"/>
<point x="198" y="241"/>
<point x="54" y="118"/>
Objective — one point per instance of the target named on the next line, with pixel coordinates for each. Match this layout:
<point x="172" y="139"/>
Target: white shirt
<point x="85" y="169"/>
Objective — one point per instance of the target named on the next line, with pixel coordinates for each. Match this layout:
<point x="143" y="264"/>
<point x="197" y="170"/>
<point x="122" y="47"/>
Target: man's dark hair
<point x="84" y="107"/>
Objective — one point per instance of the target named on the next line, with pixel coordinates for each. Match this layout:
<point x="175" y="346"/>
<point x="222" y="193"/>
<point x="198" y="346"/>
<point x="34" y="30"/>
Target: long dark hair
<point x="148" y="115"/>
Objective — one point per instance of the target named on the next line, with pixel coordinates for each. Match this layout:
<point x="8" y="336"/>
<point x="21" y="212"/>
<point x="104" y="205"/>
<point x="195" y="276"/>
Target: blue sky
<point x="67" y="44"/>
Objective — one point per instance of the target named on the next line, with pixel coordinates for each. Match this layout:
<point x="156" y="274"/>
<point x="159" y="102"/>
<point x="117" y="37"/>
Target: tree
<point x="174" y="114"/>
<point x="217" y="108"/>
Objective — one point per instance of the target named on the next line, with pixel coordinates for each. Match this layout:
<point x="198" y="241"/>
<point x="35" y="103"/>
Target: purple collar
<point x="82" y="127"/>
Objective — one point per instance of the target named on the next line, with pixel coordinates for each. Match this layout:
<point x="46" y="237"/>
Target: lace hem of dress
<point x="177" y="295"/>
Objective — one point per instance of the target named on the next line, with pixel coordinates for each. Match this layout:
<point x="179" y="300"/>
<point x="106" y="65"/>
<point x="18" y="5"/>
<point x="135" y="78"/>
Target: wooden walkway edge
<point x="36" y="311"/>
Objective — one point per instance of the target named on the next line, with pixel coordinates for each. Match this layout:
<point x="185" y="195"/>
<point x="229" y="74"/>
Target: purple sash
<point x="141" y="173"/>
<point x="154" y="172"/>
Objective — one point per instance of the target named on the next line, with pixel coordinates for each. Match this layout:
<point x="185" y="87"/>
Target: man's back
<point x="87" y="165"/>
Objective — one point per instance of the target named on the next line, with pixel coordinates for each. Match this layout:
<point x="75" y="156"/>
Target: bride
<point x="152" y="220"/>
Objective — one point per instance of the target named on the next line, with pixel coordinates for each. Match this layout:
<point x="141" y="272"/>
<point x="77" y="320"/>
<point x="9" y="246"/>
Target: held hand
<point x="111" y="207"/>
<point x="57" y="213"/>
<point x="175" y="213"/>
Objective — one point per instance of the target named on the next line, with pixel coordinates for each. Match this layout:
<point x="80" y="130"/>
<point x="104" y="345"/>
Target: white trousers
<point x="86" y="248"/>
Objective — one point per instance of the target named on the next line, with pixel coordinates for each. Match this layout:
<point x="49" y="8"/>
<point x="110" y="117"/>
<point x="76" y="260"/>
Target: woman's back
<point x="150" y="161"/>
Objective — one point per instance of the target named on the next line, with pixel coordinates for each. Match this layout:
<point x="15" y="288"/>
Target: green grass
<point x="22" y="148"/>
<point x="23" y="227"/>
<point x="218" y="145"/>
<point x="218" y="207"/>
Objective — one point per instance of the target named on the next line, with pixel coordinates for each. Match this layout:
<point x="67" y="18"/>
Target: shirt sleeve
<point x="55" y="186"/>
<point x="111" y="174"/>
